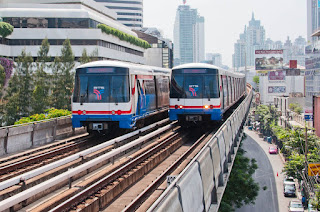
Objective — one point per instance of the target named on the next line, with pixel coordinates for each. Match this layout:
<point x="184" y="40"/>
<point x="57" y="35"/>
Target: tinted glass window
<point x="194" y="86"/>
<point x="194" y="83"/>
<point x="101" y="88"/>
<point x="176" y="90"/>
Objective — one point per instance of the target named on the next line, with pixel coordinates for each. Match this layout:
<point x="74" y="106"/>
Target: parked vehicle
<point x="295" y="206"/>
<point x="288" y="180"/>
<point x="289" y="190"/>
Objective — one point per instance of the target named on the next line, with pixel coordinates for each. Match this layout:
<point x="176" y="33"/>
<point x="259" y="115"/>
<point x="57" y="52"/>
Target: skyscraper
<point x="129" y="12"/>
<point x="252" y="39"/>
<point x="313" y="19"/>
<point x="188" y="36"/>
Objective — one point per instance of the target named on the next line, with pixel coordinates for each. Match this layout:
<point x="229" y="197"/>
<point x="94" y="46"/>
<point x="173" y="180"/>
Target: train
<point x="202" y="92"/>
<point x="113" y="94"/>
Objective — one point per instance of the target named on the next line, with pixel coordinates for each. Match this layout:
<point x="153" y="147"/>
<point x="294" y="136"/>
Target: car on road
<point x="273" y="150"/>
<point x="289" y="190"/>
<point x="295" y="206"/>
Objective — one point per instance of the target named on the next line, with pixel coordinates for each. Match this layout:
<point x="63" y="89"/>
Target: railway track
<point x="29" y="181"/>
<point x="107" y="177"/>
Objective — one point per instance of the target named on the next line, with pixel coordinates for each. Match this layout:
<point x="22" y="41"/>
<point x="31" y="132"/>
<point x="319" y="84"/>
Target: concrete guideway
<point x="277" y="163"/>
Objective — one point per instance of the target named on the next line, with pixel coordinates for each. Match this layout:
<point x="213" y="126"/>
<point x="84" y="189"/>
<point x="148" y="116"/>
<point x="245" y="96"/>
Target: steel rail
<point x="35" y="159"/>
<point x="94" y="188"/>
<point x="11" y="201"/>
<point x="155" y="184"/>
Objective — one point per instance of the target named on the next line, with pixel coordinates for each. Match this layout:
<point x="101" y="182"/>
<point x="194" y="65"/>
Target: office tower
<point x="129" y="12"/>
<point x="188" y="36"/>
<point x="252" y="39"/>
<point x="313" y="19"/>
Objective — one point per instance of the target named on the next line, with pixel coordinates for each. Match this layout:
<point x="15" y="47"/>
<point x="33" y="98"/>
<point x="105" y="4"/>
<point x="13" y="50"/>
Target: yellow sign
<point x="314" y="169"/>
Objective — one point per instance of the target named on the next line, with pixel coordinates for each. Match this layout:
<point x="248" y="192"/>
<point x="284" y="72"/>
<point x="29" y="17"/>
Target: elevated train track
<point x="142" y="164"/>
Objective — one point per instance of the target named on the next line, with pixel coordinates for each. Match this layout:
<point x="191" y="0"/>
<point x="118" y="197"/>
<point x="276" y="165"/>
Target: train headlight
<point x="113" y="112"/>
<point x="206" y="107"/>
<point x="84" y="112"/>
<point x="211" y="106"/>
<point x="79" y="112"/>
<point x="180" y="107"/>
<point x="176" y="106"/>
<point x="119" y="112"/>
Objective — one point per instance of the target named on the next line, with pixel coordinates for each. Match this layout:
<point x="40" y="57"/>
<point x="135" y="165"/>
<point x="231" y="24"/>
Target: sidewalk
<point x="277" y="162"/>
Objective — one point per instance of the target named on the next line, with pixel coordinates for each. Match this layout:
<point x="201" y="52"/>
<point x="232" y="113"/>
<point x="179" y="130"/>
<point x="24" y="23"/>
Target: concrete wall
<point x="22" y="137"/>
<point x="201" y="185"/>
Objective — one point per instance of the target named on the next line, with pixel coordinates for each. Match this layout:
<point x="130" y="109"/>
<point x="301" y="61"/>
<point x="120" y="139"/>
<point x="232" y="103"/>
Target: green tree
<point x="256" y="80"/>
<point x="315" y="202"/>
<point x="241" y="188"/>
<point x="2" y="77"/>
<point x="19" y="93"/>
<point x="6" y="29"/>
<point x="63" y="78"/>
<point x="40" y="95"/>
<point x="17" y="100"/>
<point x="85" y="58"/>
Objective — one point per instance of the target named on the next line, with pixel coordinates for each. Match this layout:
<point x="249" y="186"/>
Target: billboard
<point x="313" y="169"/>
<point x="316" y="114"/>
<point x="277" y="75"/>
<point x="268" y="59"/>
<point x="276" y="89"/>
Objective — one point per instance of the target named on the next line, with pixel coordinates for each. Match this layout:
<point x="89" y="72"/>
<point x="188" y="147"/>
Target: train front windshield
<point x="194" y="83"/>
<point x="101" y="85"/>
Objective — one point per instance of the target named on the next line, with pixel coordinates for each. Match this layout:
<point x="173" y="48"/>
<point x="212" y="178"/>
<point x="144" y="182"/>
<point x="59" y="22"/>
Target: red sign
<point x="293" y="64"/>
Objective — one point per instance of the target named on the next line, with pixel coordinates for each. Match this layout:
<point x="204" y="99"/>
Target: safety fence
<point x="21" y="137"/>
<point x="201" y="185"/>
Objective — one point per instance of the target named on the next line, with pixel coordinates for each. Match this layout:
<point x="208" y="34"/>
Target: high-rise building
<point x="58" y="20"/>
<point x="129" y="12"/>
<point x="252" y="39"/>
<point x="313" y="19"/>
<point x="216" y="59"/>
<point x="188" y="36"/>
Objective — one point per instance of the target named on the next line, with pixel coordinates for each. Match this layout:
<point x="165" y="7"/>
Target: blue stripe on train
<point x="216" y="114"/>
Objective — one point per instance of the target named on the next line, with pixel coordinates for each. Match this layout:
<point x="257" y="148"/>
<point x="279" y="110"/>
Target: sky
<point x="226" y="19"/>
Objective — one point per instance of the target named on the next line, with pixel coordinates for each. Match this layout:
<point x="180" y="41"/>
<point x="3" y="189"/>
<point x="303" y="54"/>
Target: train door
<point x="221" y="92"/>
<point x="141" y="106"/>
<point x="225" y="91"/>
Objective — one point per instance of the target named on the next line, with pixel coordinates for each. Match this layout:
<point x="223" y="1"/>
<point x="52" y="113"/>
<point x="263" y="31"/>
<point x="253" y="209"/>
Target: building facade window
<point x="83" y="23"/>
<point x="59" y="42"/>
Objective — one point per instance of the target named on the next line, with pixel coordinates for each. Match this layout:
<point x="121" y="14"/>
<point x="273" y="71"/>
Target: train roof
<point x="206" y="65"/>
<point x="136" y="68"/>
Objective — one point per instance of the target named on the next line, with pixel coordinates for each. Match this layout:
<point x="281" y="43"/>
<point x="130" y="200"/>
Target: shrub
<point x="124" y="36"/>
<point x="50" y="113"/>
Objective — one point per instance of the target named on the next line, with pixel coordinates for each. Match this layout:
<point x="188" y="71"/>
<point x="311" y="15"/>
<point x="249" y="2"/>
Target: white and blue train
<point x="203" y="92"/>
<point x="113" y="94"/>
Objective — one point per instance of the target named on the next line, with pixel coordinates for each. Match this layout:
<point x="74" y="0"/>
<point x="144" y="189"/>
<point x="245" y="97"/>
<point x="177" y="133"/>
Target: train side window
<point x="149" y="86"/>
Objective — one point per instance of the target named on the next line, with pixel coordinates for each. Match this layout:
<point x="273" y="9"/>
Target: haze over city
<point x="225" y="20"/>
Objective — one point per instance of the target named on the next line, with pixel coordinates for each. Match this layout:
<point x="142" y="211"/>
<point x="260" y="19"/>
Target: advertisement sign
<point x="316" y="113"/>
<point x="276" y="89"/>
<point x="293" y="64"/>
<point x="277" y="75"/>
<point x="268" y="59"/>
<point x="313" y="169"/>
